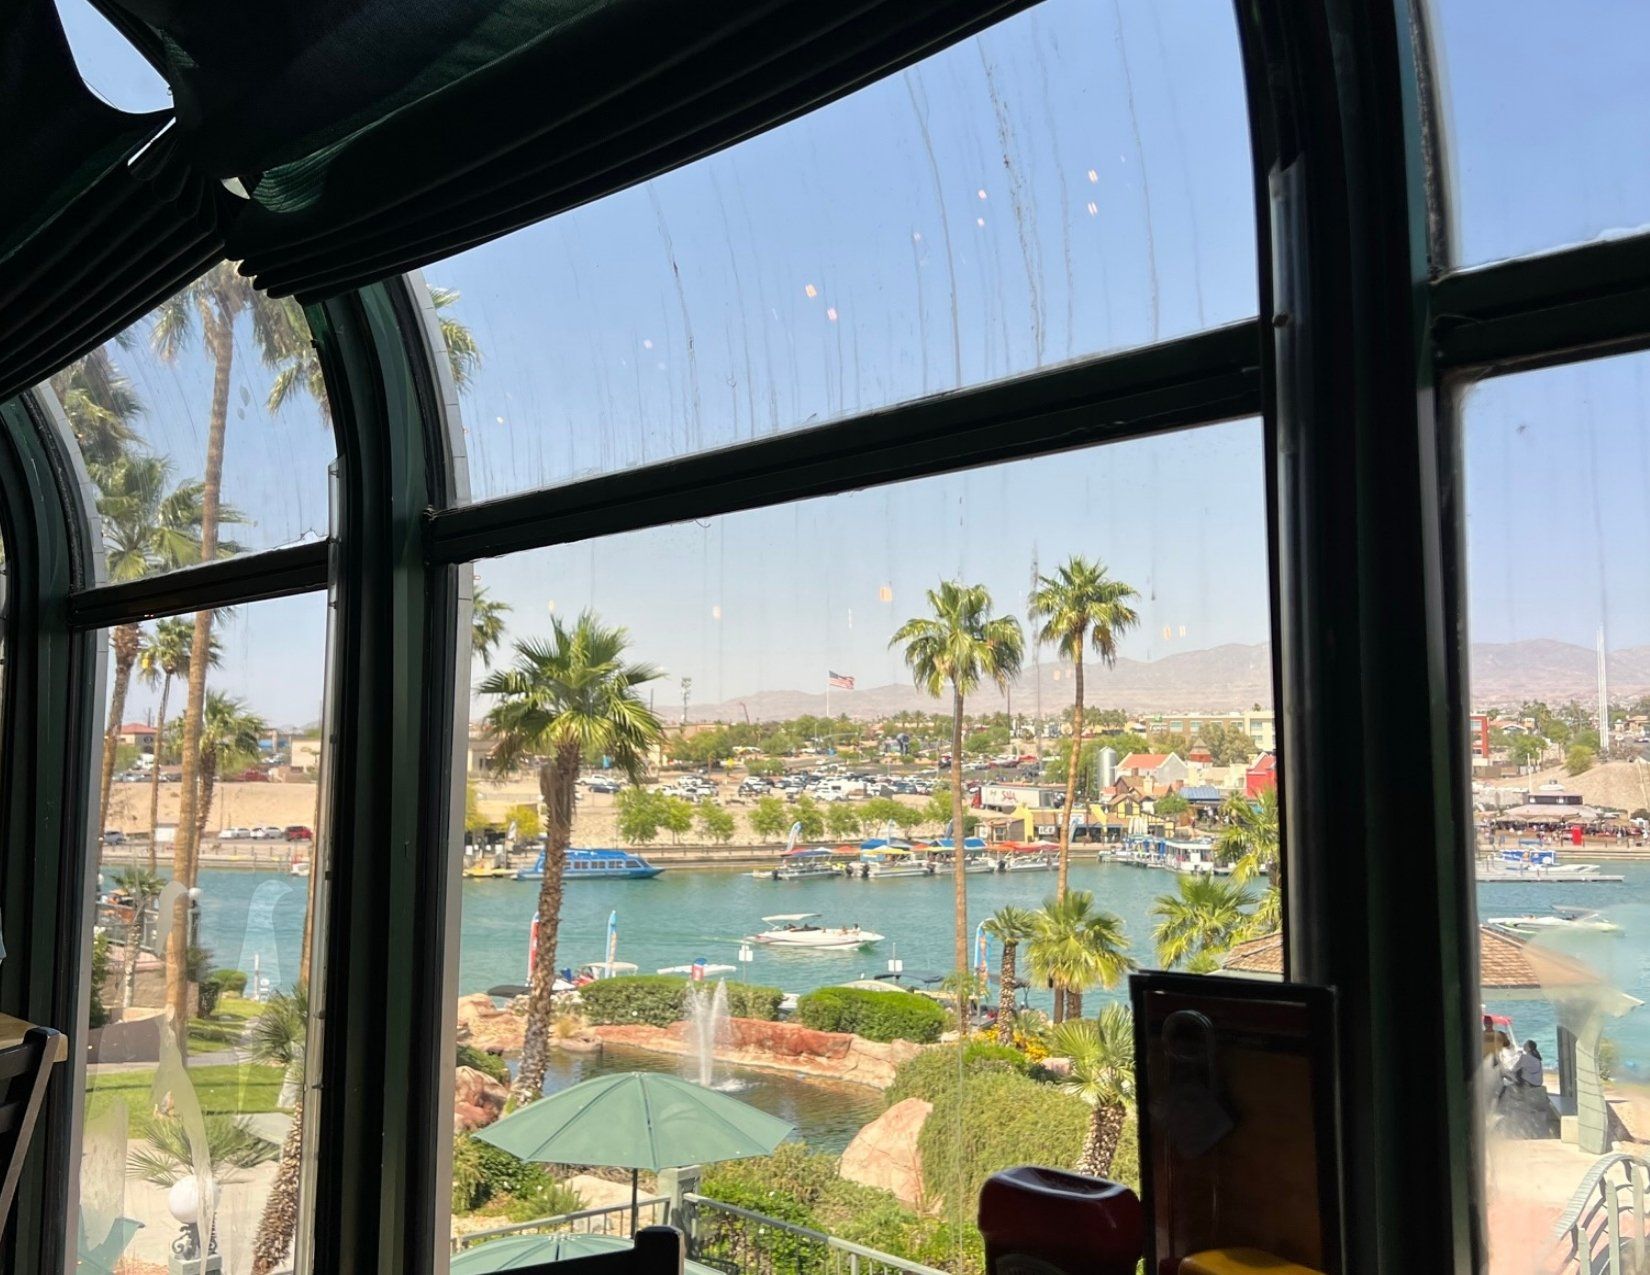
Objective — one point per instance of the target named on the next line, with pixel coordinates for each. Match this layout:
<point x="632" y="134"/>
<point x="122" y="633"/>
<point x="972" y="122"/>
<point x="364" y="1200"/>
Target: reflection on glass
<point x="195" y="1078"/>
<point x="1560" y="165"/>
<point x="773" y="801"/>
<point x="1560" y="728"/>
<point x="1074" y="180"/>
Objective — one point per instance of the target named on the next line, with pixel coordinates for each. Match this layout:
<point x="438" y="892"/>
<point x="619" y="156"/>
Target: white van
<point x="840" y="790"/>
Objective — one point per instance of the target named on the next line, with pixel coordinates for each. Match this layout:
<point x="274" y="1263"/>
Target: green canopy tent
<point x="522" y="1252"/>
<point x="637" y="1120"/>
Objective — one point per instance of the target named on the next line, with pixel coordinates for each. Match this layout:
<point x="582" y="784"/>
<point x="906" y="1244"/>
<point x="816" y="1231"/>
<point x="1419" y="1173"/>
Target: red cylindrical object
<point x="1047" y="1222"/>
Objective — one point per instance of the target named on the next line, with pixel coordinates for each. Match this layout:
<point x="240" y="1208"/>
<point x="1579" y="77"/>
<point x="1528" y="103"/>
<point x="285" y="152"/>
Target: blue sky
<point x="1074" y="180"/>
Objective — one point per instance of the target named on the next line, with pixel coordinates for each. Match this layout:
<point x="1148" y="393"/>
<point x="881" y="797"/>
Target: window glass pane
<point x="208" y="932"/>
<point x="1556" y="463"/>
<point x="1544" y="107"/>
<point x="1074" y="180"/>
<point x="203" y="424"/>
<point x="787" y="827"/>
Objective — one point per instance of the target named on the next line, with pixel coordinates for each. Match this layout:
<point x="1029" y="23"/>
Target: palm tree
<point x="162" y="658"/>
<point x="100" y="405"/>
<point x="230" y="733"/>
<point x="1250" y="842"/>
<point x="147" y="526"/>
<point x="142" y="886"/>
<point x="1080" y="605"/>
<point x="1010" y="926"/>
<point x="1075" y="947"/>
<point x="300" y="366"/>
<point x="1102" y="1074"/>
<point x="278" y="1036"/>
<point x="232" y="1146"/>
<point x="210" y="308"/>
<point x="957" y="646"/>
<point x="566" y="698"/>
<point x="486" y="625"/>
<point x="1196" y="924"/>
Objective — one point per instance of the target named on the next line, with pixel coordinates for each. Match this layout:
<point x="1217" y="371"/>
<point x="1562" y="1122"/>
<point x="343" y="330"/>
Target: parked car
<point x="297" y="832"/>
<point x="251" y="775"/>
<point x="604" y="785"/>
<point x="234" y="834"/>
<point x="113" y="837"/>
<point x="267" y="833"/>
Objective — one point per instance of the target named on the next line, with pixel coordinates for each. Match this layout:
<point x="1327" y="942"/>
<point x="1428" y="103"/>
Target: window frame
<point x="1359" y="342"/>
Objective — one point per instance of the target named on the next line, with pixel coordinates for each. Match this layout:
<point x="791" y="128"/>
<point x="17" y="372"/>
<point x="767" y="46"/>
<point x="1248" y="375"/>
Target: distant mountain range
<point x="1219" y="679"/>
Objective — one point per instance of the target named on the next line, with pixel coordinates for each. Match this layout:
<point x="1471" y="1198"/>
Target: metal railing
<point x="1602" y="1231"/>
<point x="610" y="1219"/>
<point x="742" y="1242"/>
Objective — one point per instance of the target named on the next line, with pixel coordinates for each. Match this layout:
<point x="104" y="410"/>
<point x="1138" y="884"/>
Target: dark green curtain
<point x="361" y="138"/>
<point x="85" y="245"/>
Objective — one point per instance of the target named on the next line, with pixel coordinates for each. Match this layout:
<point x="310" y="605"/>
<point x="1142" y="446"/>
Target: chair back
<point x="24" y="1070"/>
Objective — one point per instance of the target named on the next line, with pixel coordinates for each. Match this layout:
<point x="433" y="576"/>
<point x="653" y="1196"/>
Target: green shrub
<point x="486" y="1177"/>
<point x="750" y="1000"/>
<point x="935" y="1071"/>
<point x="873" y="1015"/>
<point x="99" y="1013"/>
<point x="230" y="982"/>
<point x="658" y="999"/>
<point x="488" y="1064"/>
<point x="992" y="1122"/>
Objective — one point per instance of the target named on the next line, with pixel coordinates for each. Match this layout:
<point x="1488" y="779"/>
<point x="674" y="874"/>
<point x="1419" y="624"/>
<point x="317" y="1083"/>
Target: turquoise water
<point x="685" y="914"/>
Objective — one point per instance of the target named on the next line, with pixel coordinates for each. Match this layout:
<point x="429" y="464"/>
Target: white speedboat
<point x="1560" y="920"/>
<point x="794" y="929"/>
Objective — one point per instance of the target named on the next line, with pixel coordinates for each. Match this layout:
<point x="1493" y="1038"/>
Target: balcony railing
<point x="743" y="1242"/>
<point x="610" y="1219"/>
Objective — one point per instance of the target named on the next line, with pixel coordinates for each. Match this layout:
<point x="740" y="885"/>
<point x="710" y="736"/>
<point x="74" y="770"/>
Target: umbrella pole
<point x="634" y="1175"/>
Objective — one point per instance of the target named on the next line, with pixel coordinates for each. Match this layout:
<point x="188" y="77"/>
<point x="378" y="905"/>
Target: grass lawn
<point x="247" y="1088"/>
<point x="222" y="1029"/>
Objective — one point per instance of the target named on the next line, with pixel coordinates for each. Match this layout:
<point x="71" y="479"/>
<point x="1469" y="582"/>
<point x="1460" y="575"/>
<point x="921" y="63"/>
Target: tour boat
<point x="1034" y="856"/>
<point x="595" y="865"/>
<point x="299" y="868"/>
<point x="1531" y="863"/>
<point x="800" y="865"/>
<point x="792" y="929"/>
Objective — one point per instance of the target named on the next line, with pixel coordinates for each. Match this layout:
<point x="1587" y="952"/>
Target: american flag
<point x="841" y="681"/>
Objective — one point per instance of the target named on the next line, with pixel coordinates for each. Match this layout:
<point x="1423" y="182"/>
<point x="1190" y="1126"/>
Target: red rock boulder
<point x="478" y="1100"/>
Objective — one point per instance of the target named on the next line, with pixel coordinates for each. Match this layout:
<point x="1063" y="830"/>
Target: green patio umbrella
<point x="522" y="1251"/>
<point x="637" y="1120"/>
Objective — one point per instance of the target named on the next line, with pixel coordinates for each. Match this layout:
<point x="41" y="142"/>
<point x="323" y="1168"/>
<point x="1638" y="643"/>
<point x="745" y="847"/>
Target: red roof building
<point x="1261" y="776"/>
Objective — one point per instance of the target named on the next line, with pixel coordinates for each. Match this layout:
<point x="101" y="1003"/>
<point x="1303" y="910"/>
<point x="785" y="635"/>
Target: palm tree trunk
<point x="124" y="640"/>
<point x="129" y="955"/>
<point x="220" y="340"/>
<point x="1005" y="997"/>
<point x="1074" y="1003"/>
<point x="556" y="784"/>
<point x="154" y="779"/>
<point x="279" y="1222"/>
<point x="1089" y="1160"/>
<point x="1071" y="776"/>
<point x="1105" y="1128"/>
<point x="957" y="866"/>
<point x="209" y="785"/>
<point x="1059" y="1003"/>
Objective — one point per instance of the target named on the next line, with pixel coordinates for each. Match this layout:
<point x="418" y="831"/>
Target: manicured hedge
<point x="873" y="1015"/>
<point x="659" y="999"/>
<point x="939" y="1070"/>
<point x="487" y="1064"/>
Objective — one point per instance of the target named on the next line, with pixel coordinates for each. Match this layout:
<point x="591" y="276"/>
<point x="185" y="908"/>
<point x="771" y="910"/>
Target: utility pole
<point x="687" y="688"/>
<point x="1036" y="679"/>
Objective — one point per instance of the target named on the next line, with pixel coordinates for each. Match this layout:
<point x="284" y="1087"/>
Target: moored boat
<point x="801" y="864"/>
<point x="595" y="865"/>
<point x="794" y="930"/>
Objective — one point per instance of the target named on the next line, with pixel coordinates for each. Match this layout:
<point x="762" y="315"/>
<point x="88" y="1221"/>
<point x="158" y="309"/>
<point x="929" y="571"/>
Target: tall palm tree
<point x="278" y="1036"/>
<point x="299" y="366"/>
<point x="1080" y="605"/>
<point x="230" y="734"/>
<point x="101" y="406"/>
<point x="486" y="625"/>
<point x="1102" y="1074"/>
<point x="1076" y="947"/>
<point x="1010" y="926"/>
<point x="565" y="698"/>
<point x="209" y="309"/>
<point x="142" y="886"/>
<point x="1196" y="924"/>
<point x="148" y="525"/>
<point x="958" y="645"/>
<point x="163" y="657"/>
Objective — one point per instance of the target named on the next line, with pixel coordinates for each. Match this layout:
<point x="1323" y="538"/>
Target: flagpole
<point x="827" y="694"/>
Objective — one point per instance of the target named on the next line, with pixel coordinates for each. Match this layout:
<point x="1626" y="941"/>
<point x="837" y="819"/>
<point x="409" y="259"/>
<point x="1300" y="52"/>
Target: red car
<point x="297" y="832"/>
